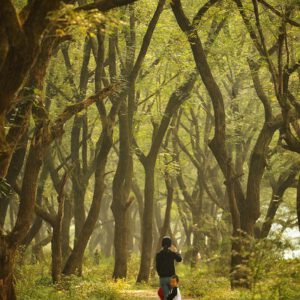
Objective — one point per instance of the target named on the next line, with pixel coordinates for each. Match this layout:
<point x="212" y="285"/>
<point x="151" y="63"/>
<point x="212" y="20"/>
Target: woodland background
<point x="123" y="121"/>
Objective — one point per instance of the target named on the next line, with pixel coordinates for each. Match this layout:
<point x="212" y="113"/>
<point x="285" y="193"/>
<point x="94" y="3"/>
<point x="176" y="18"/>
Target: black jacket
<point x="165" y="262"/>
<point x="173" y="293"/>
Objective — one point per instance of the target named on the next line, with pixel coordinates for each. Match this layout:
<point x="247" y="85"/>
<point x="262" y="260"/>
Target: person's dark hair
<point x="175" y="277"/>
<point x="166" y="242"/>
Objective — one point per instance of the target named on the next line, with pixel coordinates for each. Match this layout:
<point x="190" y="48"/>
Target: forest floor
<point x="145" y="294"/>
<point x="34" y="283"/>
<point x="141" y="294"/>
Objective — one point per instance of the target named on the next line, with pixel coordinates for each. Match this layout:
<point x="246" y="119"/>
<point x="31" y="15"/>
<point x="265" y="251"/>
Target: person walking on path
<point x="165" y="264"/>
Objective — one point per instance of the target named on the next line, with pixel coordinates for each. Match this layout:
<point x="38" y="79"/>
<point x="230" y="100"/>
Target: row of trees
<point x="183" y="104"/>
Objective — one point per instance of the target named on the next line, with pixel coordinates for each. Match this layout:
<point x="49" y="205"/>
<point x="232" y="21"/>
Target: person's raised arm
<point x="177" y="255"/>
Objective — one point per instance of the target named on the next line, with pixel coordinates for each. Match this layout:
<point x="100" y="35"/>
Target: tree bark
<point x="121" y="189"/>
<point x="147" y="238"/>
<point x="298" y="203"/>
<point x="14" y="169"/>
<point x="65" y="230"/>
<point x="7" y="257"/>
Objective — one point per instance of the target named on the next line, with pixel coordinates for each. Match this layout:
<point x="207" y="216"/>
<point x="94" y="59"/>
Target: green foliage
<point x="274" y="276"/>
<point x="200" y="284"/>
<point x="275" y="279"/>
<point x="35" y="283"/>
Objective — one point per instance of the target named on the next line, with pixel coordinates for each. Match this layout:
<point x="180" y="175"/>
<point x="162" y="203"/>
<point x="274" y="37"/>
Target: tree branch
<point x="70" y="111"/>
<point x="147" y="39"/>
<point x="201" y="12"/>
<point x="41" y="212"/>
<point x="278" y="13"/>
<point x="106" y="5"/>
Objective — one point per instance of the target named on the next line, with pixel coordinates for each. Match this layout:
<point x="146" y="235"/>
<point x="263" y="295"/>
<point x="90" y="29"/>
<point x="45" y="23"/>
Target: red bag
<point x="160" y="293"/>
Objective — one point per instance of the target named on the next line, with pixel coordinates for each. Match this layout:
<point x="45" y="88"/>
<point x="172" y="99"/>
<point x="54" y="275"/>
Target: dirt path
<point x="145" y="295"/>
<point x="141" y="294"/>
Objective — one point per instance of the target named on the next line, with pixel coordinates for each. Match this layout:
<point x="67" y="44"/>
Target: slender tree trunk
<point x="37" y="248"/>
<point x="147" y="224"/>
<point x="65" y="231"/>
<point x="276" y="200"/>
<point x="108" y="238"/>
<point x="197" y="237"/>
<point x="12" y="174"/>
<point x="56" y="250"/>
<point x="75" y="259"/>
<point x="79" y="210"/>
<point x="166" y="226"/>
<point x="298" y="203"/>
<point x="131" y="229"/>
<point x="167" y="217"/>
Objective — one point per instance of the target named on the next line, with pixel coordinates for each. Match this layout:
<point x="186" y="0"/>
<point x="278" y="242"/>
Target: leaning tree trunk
<point x="8" y="244"/>
<point x="277" y="197"/>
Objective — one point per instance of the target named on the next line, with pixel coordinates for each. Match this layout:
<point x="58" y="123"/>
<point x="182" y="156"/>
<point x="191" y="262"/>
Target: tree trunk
<point x="298" y="203"/>
<point x="238" y="275"/>
<point x="131" y="229"/>
<point x="108" y="238"/>
<point x="7" y="258"/>
<point x="276" y="200"/>
<point x="75" y="259"/>
<point x="12" y="174"/>
<point x="37" y="223"/>
<point x="167" y="218"/>
<point x="256" y="170"/>
<point x="37" y="249"/>
<point x="79" y="210"/>
<point x="197" y="237"/>
<point x="56" y="254"/>
<point x="120" y="241"/>
<point x="121" y="189"/>
<point x="147" y="224"/>
<point x="65" y="231"/>
<point x="8" y="243"/>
